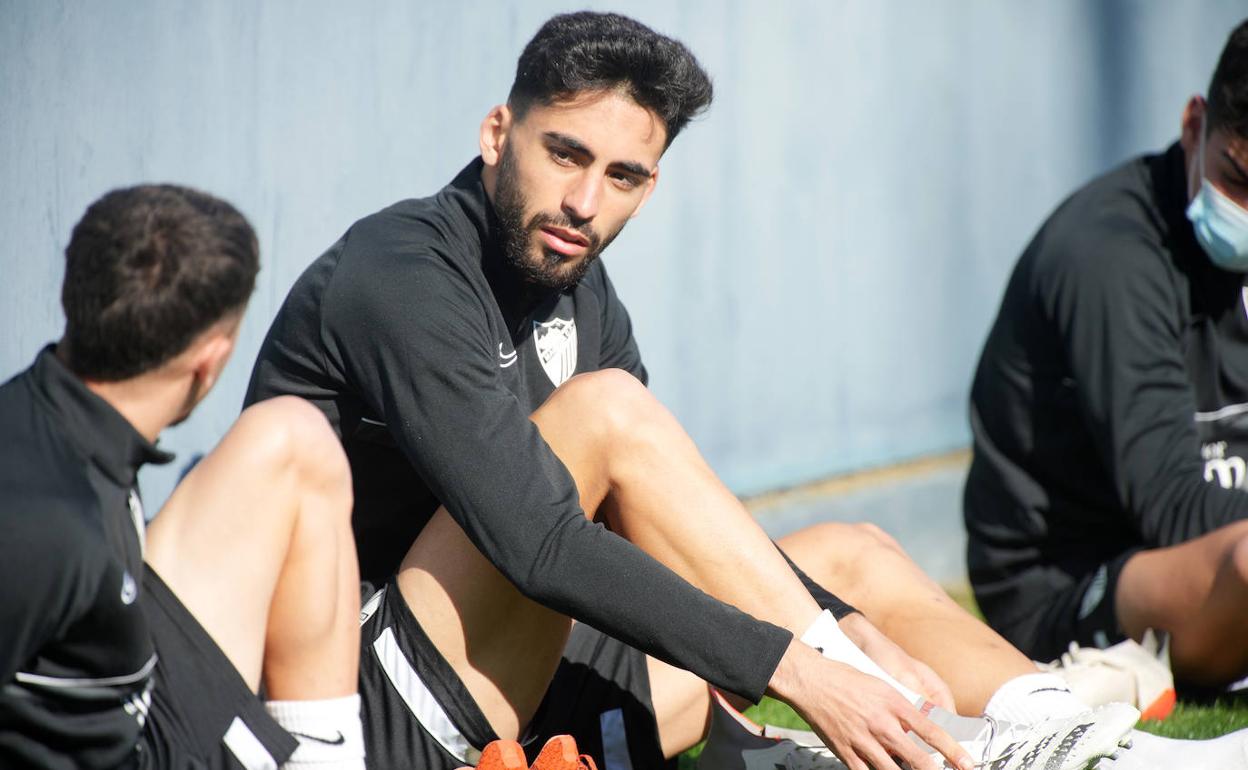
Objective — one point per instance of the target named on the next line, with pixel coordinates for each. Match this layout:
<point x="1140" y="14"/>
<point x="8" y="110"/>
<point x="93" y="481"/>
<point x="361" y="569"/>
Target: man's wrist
<point x="794" y="668"/>
<point x="855" y="625"/>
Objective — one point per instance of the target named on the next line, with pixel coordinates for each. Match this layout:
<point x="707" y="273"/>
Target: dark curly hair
<point x="1228" y="90"/>
<point x="148" y="269"/>
<point x="575" y="53"/>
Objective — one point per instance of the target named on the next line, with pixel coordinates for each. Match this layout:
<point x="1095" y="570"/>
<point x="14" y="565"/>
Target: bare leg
<point x="256" y="542"/>
<point x="682" y="705"/>
<point x="633" y="464"/>
<point x="867" y="568"/>
<point x="1198" y="591"/>
<point x="631" y="461"/>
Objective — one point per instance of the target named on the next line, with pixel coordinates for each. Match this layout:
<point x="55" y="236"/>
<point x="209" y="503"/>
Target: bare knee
<point x="1206" y="648"/>
<point x="1235" y="567"/>
<point x="288" y="434"/>
<point x="610" y="401"/>
<point x="858" y="540"/>
<point x="874" y="537"/>
<point x="1205" y="656"/>
<point x="840" y="552"/>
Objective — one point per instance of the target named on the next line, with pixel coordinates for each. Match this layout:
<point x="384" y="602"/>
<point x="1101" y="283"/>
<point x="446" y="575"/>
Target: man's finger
<point x="941" y="695"/>
<point x="940" y="740"/>
<point x="880" y="759"/>
<point x="851" y="760"/>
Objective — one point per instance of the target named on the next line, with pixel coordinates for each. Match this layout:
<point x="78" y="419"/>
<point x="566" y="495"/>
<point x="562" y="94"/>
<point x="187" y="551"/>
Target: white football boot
<point x="1127" y="672"/>
<point x="1070" y="743"/>
<point x="1148" y="751"/>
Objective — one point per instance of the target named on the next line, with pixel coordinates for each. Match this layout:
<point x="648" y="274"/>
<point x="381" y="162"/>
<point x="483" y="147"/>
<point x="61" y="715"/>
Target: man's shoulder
<point x="443" y="223"/>
<point x="406" y="245"/>
<point x="46" y="500"/>
<point x="408" y="222"/>
<point x="1112" y="223"/>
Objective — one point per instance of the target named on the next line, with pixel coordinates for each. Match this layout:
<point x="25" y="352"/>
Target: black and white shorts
<point x="417" y="712"/>
<point x="1052" y="606"/>
<point x="203" y="715"/>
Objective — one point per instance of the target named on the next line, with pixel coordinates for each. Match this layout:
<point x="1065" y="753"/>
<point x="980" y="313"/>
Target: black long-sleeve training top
<point x="1111" y="392"/>
<point x="427" y="354"/>
<point x="76" y="656"/>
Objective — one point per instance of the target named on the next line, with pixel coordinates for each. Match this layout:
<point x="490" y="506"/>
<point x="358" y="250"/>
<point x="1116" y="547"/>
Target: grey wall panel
<point x="821" y="260"/>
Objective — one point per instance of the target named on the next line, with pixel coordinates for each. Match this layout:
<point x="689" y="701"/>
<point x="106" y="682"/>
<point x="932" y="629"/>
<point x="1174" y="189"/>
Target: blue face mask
<point x="1221" y="224"/>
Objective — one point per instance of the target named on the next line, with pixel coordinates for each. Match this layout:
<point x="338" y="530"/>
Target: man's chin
<point x="552" y="270"/>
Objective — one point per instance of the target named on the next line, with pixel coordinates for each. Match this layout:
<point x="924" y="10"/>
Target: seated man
<point x="1106" y="495"/>
<point x="512" y="471"/>
<point x="126" y="648"/>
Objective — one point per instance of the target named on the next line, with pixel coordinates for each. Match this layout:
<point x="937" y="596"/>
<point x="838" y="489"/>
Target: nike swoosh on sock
<point x="329" y="742"/>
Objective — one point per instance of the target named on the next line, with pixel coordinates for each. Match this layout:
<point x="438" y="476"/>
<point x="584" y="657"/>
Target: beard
<point x="536" y="264"/>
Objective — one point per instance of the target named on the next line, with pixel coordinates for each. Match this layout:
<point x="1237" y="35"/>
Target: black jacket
<point x="1112" y="389"/>
<point x="425" y="351"/>
<point x="76" y="657"/>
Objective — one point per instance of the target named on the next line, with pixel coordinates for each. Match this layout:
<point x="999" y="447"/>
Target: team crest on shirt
<point x="129" y="589"/>
<point x="556" y="348"/>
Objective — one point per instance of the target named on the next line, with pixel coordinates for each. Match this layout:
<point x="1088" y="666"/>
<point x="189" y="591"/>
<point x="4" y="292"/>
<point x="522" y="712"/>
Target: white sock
<point x="828" y="638"/>
<point x="330" y="734"/>
<point x="1029" y="698"/>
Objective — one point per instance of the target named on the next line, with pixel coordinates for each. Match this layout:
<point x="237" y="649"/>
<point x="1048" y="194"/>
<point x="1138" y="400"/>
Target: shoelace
<point x="1073" y="654"/>
<point x="586" y="762"/>
<point x="986" y="757"/>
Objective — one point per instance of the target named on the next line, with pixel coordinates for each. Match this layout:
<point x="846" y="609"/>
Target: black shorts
<point x="203" y="715"/>
<point x="1047" y="608"/>
<point x="417" y="712"/>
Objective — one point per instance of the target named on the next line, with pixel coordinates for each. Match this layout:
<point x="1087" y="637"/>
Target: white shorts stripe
<point x="615" y="754"/>
<point x="247" y="748"/>
<point x="371" y="605"/>
<point x="420" y="700"/>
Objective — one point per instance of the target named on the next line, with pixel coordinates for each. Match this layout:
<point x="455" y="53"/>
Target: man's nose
<point x="582" y="199"/>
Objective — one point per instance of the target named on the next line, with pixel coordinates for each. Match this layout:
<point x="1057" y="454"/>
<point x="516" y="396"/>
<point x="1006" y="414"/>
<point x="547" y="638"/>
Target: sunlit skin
<point x="1226" y="156"/>
<point x="583" y="167"/>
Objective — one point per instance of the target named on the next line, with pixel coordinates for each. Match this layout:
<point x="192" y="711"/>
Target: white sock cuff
<point x="1030" y="698"/>
<point x="824" y="626"/>
<point x="825" y="635"/>
<point x="329" y="731"/>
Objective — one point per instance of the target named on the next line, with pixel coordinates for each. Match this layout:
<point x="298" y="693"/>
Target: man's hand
<point x="905" y="669"/>
<point x="859" y="717"/>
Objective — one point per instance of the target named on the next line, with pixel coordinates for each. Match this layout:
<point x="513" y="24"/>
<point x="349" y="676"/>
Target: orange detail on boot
<point x="1161" y="707"/>
<point x="559" y="753"/>
<point x="502" y="755"/>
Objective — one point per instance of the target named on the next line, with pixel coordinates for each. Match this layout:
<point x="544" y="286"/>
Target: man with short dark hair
<point x="513" y="469"/>
<point x="127" y="646"/>
<point x="1106" y="495"/>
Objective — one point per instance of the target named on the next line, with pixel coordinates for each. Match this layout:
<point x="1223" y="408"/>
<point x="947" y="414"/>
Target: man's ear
<point x="494" y="131"/>
<point x="212" y="360"/>
<point x="212" y="353"/>
<point x="1191" y="126"/>
<point x="645" y="196"/>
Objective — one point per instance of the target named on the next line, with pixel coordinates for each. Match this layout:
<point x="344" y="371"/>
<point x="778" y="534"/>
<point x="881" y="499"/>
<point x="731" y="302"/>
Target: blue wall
<point x="817" y="270"/>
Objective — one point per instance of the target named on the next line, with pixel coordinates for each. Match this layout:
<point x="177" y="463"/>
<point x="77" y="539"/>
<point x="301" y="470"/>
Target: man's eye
<point x="562" y="157"/>
<point x="625" y="181"/>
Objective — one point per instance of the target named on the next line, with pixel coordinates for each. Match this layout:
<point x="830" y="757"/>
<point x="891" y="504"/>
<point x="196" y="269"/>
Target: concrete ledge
<point x="917" y="502"/>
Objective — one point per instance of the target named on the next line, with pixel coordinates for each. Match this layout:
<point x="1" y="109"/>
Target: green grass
<point x="1189" y="720"/>
<point x="1192" y="720"/>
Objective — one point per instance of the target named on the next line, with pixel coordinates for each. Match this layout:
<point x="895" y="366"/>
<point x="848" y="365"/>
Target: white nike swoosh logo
<point x="505" y="359"/>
